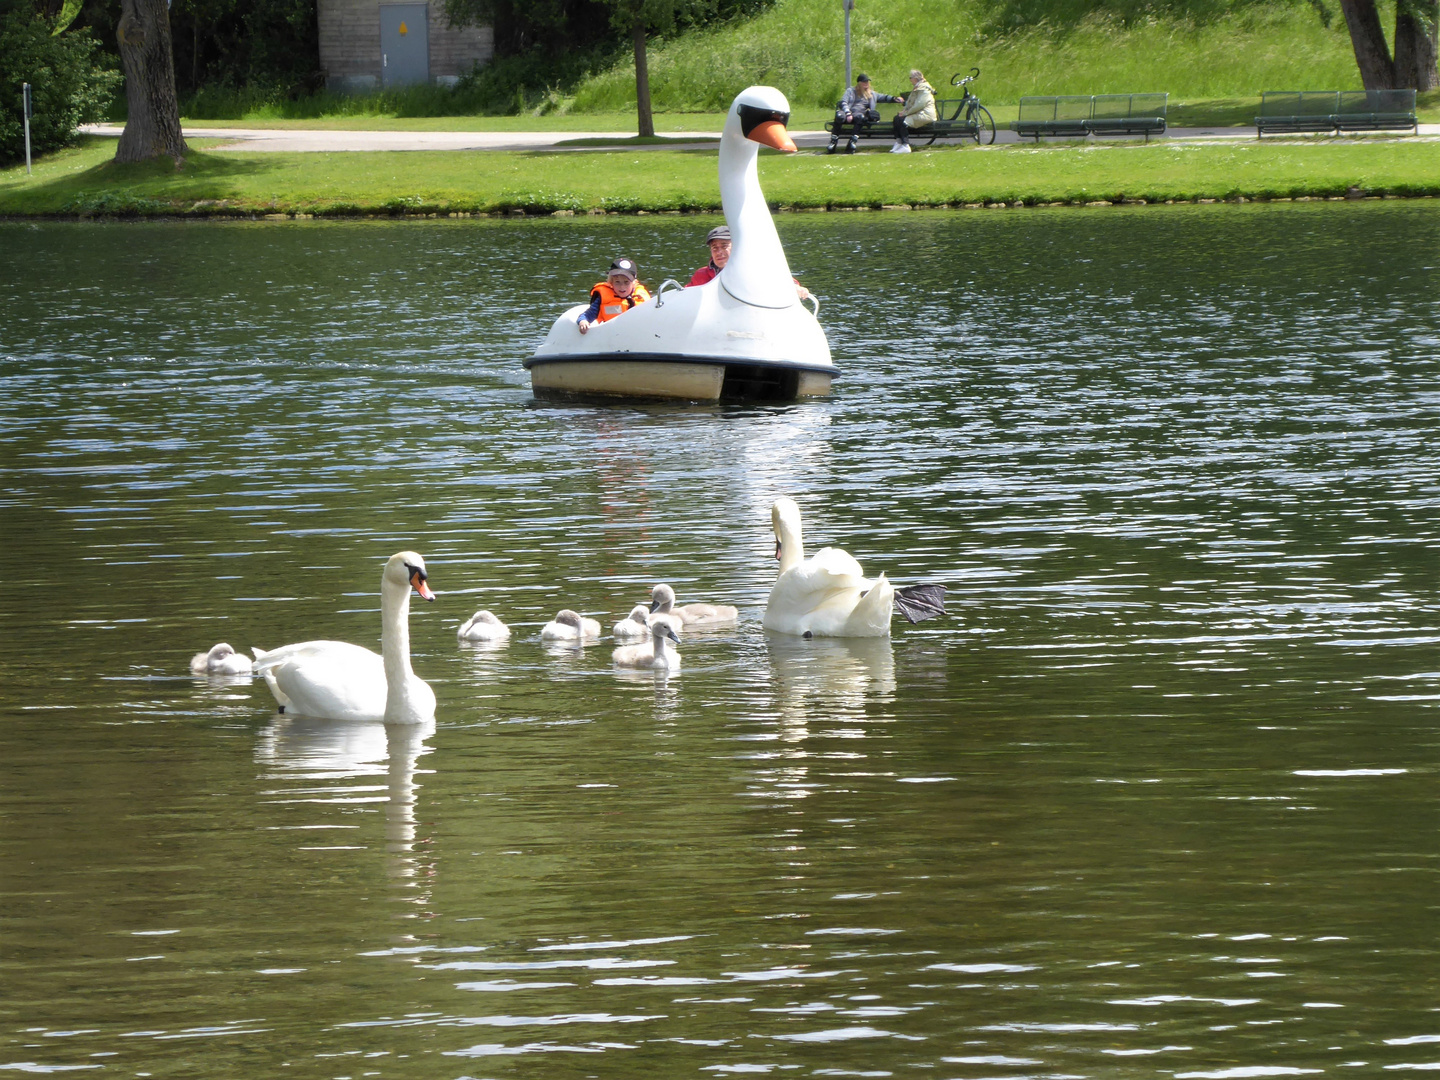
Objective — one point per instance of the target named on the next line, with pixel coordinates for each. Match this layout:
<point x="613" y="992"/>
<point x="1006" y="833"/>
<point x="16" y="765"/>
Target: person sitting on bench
<point x="855" y="108"/>
<point x="918" y="111"/>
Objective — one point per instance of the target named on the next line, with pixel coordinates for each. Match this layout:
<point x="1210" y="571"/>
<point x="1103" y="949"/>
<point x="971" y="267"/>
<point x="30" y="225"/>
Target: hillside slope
<point x="1191" y="48"/>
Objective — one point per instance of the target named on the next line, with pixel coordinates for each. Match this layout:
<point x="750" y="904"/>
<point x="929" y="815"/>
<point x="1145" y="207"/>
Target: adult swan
<point x="828" y="595"/>
<point x="742" y="336"/>
<point x="334" y="680"/>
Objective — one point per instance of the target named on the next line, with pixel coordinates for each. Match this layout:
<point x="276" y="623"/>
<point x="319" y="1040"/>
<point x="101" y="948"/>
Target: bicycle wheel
<point x="984" y="126"/>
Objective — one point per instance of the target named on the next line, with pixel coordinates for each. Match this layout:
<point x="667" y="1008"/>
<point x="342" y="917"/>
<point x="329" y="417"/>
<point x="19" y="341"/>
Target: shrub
<point x="69" y="84"/>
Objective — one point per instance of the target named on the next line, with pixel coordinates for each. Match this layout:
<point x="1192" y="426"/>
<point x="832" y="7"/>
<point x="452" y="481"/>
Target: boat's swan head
<point x="760" y="113"/>
<point x="407" y="570"/>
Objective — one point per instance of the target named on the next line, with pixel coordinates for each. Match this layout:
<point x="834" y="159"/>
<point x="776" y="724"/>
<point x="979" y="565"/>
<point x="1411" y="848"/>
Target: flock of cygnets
<point x="655" y="627"/>
<point x="826" y="595"/>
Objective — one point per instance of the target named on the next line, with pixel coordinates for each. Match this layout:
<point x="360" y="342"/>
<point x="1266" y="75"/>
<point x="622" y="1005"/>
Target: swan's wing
<point x="836" y="562"/>
<point x="306" y="651"/>
<point x="332" y="679"/>
<point x="920" y="602"/>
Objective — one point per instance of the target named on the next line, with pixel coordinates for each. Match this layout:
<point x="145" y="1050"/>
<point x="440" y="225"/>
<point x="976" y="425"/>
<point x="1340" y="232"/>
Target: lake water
<point x="1157" y="799"/>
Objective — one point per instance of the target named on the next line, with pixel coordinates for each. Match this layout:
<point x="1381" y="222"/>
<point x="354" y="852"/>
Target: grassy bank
<point x="84" y="182"/>
<point x="1198" y="50"/>
<point x="1199" y="112"/>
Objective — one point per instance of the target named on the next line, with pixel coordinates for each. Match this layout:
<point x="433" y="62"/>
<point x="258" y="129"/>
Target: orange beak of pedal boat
<point x="772" y="133"/>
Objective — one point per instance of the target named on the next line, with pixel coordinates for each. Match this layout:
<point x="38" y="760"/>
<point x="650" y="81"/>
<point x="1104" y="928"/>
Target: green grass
<point x="621" y="122"/>
<point x="84" y="182"/>
<point x="798" y="46"/>
<point x="1214" y="57"/>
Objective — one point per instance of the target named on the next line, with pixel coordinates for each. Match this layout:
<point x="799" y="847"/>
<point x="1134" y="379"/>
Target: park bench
<point x="948" y="124"/>
<point x="1093" y="114"/>
<point x="1292" y="111"/>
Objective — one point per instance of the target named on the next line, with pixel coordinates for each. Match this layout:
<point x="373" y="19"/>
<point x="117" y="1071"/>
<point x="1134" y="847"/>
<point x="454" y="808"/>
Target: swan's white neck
<point x="792" y="547"/>
<point x="660" y="645"/>
<point x="757" y="272"/>
<point x="395" y="648"/>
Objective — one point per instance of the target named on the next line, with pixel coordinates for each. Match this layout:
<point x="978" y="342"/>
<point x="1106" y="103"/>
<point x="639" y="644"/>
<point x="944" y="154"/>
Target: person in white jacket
<point x="918" y="111"/>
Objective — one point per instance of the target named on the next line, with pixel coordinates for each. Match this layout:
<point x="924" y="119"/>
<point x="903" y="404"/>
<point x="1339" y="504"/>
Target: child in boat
<point x="718" y="240"/>
<point x="618" y="293"/>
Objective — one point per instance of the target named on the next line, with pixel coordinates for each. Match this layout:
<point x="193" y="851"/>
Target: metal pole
<point x="849" y="6"/>
<point x="25" y="90"/>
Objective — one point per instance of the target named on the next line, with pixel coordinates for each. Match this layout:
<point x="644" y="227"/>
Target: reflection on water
<point x="330" y="760"/>
<point x="1155" y="800"/>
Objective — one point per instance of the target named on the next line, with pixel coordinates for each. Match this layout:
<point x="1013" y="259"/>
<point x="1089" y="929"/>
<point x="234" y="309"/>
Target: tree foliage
<point x="71" y="83"/>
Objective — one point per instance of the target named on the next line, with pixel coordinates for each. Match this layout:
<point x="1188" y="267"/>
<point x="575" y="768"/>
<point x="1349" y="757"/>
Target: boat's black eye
<point x="414" y="570"/>
<point x="752" y="116"/>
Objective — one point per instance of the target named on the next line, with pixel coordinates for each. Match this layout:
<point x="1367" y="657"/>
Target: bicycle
<point x="976" y="115"/>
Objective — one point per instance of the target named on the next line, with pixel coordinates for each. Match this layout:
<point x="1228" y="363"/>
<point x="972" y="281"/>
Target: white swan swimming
<point x="570" y="626"/>
<point x="691" y="616"/>
<point x="635" y="626"/>
<point x="335" y="680"/>
<point x="483" y="626"/>
<point x="686" y="343"/>
<point x="828" y="595"/>
<point x="657" y="654"/>
<point x="222" y="659"/>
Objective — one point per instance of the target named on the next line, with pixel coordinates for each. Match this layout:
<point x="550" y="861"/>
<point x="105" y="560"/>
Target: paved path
<point x="273" y="139"/>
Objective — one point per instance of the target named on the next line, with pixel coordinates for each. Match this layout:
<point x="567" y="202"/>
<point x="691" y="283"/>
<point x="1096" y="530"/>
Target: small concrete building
<point x="371" y="45"/>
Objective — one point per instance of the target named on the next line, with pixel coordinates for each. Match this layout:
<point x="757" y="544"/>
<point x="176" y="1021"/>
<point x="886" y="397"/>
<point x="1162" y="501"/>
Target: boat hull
<point x="673" y="378"/>
<point x="698" y="344"/>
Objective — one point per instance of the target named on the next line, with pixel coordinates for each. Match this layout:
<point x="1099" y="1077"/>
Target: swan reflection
<point x="829" y="679"/>
<point x="326" y="753"/>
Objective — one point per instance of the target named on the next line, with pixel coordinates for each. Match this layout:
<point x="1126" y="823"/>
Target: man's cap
<point x="720" y="232"/>
<point x="625" y="268"/>
<point x="862" y="77"/>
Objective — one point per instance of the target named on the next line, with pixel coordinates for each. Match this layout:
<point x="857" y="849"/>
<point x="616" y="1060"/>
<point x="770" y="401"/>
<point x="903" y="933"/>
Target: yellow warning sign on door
<point x="404" y="29"/>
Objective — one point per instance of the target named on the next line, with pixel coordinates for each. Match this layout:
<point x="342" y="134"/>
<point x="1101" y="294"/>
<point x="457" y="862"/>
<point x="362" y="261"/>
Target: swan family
<point x="826" y="595"/>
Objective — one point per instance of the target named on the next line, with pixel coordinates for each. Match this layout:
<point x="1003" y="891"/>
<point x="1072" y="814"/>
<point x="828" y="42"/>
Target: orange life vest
<point x="612" y="305"/>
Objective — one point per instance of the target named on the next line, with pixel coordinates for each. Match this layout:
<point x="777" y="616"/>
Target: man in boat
<point x="618" y="293"/>
<point x="718" y="240"/>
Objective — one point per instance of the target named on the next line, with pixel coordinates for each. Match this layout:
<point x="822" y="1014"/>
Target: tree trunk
<point x="1377" y="72"/>
<point x="153" y="126"/>
<point x="1415" y="44"/>
<point x="642" y="83"/>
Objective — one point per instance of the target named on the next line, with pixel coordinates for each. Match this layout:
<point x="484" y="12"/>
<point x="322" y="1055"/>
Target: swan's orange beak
<point x="417" y="580"/>
<point x="772" y="133"/>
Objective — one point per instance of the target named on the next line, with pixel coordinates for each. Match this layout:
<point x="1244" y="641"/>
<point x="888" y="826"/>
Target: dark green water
<point x="1159" y="799"/>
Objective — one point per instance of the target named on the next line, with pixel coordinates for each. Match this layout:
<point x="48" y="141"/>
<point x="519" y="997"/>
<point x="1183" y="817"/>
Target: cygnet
<point x="635" y="626"/>
<point x="657" y="654"/>
<point x="662" y="601"/>
<point x="220" y="660"/>
<point x="483" y="626"/>
<point x="570" y="626"/>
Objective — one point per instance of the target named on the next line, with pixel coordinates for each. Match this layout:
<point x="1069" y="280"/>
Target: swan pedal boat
<point x="742" y="336"/>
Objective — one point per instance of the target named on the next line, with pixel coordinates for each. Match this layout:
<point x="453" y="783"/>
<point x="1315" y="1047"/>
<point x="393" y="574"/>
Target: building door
<point x="404" y="44"/>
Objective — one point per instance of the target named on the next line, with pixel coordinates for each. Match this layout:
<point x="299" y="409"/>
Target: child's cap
<point x="625" y="268"/>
